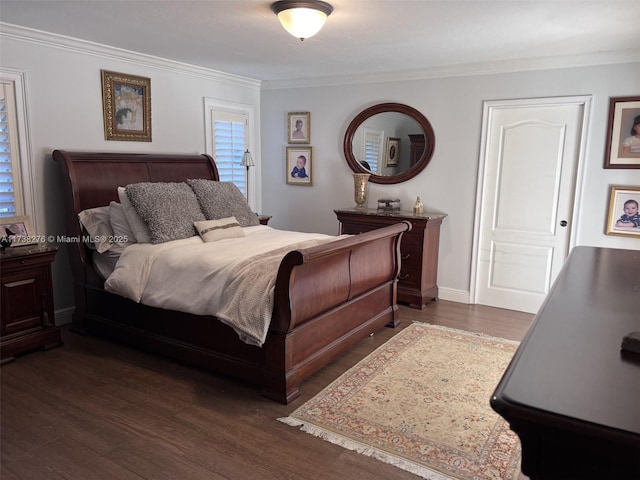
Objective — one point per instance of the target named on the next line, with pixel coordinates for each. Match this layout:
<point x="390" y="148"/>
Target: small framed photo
<point x="392" y="152"/>
<point x="299" y="127"/>
<point x="624" y="215"/>
<point x="623" y="133"/>
<point x="299" y="165"/>
<point x="126" y="103"/>
<point x="19" y="230"/>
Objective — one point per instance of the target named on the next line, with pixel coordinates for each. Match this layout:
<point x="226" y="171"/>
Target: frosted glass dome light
<point x="302" y="19"/>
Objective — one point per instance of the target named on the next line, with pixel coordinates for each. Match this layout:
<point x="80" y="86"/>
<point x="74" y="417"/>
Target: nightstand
<point x="417" y="282"/>
<point x="27" y="301"/>
<point x="264" y="219"/>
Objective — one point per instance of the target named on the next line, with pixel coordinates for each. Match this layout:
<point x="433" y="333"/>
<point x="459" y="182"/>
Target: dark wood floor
<point x="94" y="410"/>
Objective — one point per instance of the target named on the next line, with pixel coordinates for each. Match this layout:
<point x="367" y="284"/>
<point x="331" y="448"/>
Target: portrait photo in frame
<point x="299" y="164"/>
<point x="299" y="130"/>
<point x="126" y="103"/>
<point x="623" y="133"/>
<point x="19" y="229"/>
<point x="624" y="212"/>
<point x="392" y="152"/>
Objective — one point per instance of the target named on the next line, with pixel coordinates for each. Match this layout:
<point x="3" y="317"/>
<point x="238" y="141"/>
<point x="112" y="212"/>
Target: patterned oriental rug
<point x="421" y="402"/>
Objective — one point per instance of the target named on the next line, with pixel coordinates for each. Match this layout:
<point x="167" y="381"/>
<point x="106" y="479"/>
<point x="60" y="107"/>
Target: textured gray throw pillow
<point x="222" y="200"/>
<point x="168" y="209"/>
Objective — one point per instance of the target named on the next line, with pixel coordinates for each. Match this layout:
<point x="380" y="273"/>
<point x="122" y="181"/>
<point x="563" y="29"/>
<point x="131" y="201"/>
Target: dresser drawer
<point x="410" y="255"/>
<point x="410" y="275"/>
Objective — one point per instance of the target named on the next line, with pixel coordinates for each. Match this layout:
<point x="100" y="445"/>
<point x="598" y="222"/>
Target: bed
<point x="326" y="298"/>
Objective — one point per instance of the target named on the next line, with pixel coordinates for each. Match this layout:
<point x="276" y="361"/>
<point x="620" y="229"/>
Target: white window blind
<point x="10" y="182"/>
<point x="372" y="143"/>
<point x="230" y="140"/>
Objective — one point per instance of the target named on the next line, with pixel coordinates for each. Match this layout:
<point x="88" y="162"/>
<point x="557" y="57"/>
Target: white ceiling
<point x="371" y="37"/>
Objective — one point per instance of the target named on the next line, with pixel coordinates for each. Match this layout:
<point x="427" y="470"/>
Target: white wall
<point x="454" y="108"/>
<point x="65" y="112"/>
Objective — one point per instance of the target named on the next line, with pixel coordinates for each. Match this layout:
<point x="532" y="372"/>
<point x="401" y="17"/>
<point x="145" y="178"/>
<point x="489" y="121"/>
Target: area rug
<point x="421" y="402"/>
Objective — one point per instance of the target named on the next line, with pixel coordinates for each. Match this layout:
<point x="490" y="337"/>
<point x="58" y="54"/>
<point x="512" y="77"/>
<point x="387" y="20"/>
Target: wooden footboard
<point x="327" y="298"/>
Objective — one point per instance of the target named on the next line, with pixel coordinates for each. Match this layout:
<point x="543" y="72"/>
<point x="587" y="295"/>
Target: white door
<point x="526" y="198"/>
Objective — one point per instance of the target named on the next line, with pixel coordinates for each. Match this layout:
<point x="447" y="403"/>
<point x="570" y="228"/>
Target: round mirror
<point x="391" y="141"/>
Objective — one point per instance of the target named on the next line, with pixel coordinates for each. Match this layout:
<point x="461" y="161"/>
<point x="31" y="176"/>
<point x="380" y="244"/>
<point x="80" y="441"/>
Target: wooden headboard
<point x="92" y="179"/>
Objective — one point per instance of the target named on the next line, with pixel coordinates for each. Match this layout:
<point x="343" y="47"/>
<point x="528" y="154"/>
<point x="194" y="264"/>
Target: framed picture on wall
<point x="19" y="230"/>
<point x="624" y="214"/>
<point x="392" y="152"/>
<point x="623" y="133"/>
<point x="126" y="103"/>
<point x="299" y="127"/>
<point x="299" y="165"/>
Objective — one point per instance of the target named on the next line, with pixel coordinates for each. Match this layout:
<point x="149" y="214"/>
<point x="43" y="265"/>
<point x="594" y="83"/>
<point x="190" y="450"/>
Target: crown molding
<point x="85" y="47"/>
<point x="469" y="69"/>
<point x="463" y="70"/>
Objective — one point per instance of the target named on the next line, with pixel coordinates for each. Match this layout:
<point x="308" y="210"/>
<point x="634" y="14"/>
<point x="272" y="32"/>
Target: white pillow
<point x="140" y="229"/>
<point x="96" y="222"/>
<point x="122" y="234"/>
<point x="213" y="230"/>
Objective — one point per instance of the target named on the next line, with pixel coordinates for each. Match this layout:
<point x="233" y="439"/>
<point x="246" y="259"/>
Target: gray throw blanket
<point x="247" y="302"/>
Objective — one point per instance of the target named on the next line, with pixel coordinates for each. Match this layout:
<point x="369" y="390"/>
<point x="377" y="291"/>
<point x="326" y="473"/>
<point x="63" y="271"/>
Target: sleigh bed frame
<point x="327" y="298"/>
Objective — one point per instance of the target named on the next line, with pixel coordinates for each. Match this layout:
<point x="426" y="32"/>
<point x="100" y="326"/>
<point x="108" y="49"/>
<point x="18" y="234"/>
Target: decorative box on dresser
<point x="27" y="300"/>
<point x="418" y="280"/>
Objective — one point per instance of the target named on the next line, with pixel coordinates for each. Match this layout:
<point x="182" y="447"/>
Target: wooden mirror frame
<point x="430" y="142"/>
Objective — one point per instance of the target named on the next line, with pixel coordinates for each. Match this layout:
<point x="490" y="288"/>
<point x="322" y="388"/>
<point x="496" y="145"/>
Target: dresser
<point x="27" y="319"/>
<point x="418" y="279"/>
<point x="570" y="393"/>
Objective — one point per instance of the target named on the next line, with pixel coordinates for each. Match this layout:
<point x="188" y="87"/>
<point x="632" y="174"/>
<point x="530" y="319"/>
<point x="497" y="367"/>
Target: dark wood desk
<point x="569" y="393"/>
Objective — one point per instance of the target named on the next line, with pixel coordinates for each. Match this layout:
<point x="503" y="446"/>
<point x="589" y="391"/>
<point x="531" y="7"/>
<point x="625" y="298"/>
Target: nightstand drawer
<point x="24" y="301"/>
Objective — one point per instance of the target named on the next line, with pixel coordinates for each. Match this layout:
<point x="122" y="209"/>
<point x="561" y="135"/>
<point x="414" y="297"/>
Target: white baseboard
<point x="64" y="315"/>
<point x="453" y="295"/>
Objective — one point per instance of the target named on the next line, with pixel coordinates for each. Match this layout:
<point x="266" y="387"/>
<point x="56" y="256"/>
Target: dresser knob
<point x="405" y="256"/>
<point x="403" y="277"/>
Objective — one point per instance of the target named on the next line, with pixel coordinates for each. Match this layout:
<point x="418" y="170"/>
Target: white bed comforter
<point x="232" y="279"/>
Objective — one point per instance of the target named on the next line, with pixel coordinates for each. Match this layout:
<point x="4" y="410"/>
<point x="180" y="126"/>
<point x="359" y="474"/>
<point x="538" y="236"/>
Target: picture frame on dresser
<point x="299" y="165"/>
<point x="624" y="211"/>
<point x="126" y="103"/>
<point x="623" y="133"/>
<point x="19" y="229"/>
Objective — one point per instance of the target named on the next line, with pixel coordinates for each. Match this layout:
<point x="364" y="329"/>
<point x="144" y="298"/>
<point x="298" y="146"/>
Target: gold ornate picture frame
<point x="624" y="211"/>
<point x="299" y="127"/>
<point x="299" y="165"/>
<point x="126" y="102"/>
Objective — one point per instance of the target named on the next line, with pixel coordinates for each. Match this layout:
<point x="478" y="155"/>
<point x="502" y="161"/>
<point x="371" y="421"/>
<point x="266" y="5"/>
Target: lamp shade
<point x="247" y="160"/>
<point x="302" y="19"/>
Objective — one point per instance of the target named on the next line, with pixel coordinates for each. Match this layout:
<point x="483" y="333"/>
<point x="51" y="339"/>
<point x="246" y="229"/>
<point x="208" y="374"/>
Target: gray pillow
<point x="168" y="209"/>
<point x="222" y="200"/>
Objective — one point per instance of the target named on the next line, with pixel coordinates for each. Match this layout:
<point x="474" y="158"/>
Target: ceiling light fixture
<point x="302" y="19"/>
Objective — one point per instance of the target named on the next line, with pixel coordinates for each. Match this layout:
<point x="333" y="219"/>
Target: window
<point x="372" y="148"/>
<point x="11" y="199"/>
<point x="230" y="132"/>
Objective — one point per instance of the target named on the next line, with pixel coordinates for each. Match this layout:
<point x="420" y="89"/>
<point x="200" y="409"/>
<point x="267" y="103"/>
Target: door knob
<point x="563" y="223"/>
